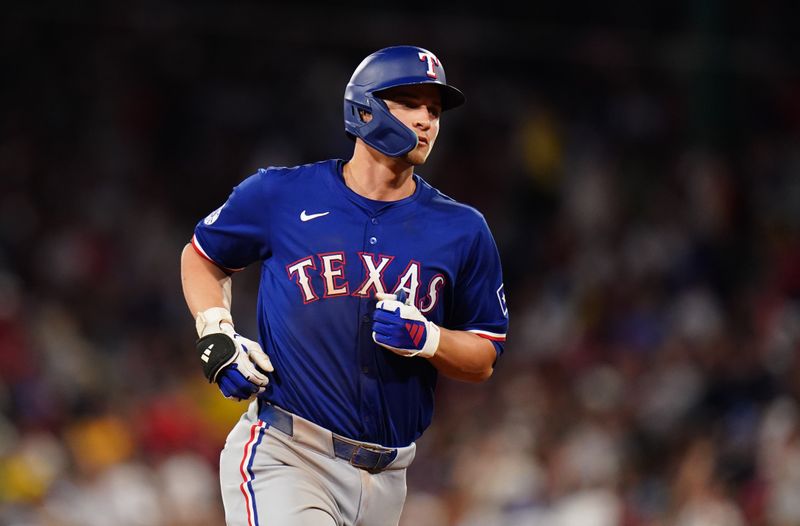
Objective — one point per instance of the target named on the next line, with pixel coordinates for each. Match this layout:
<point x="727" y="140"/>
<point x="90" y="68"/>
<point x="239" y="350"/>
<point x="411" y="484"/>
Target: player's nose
<point x="423" y="117"/>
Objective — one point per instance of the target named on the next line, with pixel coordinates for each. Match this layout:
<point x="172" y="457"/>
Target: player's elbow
<point x="481" y="376"/>
<point x="483" y="367"/>
<point x="476" y="378"/>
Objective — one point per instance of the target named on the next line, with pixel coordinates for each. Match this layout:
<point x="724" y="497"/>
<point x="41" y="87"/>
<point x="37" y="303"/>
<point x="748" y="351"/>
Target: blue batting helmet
<point x="388" y="68"/>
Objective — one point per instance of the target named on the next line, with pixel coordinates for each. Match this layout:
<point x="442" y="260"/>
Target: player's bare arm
<point x="205" y="285"/>
<point x="464" y="356"/>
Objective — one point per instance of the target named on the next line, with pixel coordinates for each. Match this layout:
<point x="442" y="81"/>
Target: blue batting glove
<point x="401" y="328"/>
<point x="234" y="385"/>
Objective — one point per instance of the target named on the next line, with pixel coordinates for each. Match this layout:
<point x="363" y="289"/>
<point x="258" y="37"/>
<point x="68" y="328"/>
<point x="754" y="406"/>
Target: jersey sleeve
<point x="479" y="304"/>
<point x="237" y="233"/>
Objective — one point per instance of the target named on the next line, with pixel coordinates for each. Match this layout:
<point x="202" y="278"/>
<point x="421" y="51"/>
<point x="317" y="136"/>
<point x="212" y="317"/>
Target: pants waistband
<point x="363" y="455"/>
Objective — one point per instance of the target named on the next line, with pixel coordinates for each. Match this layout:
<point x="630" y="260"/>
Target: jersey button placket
<point x="372" y="231"/>
<point x="369" y="389"/>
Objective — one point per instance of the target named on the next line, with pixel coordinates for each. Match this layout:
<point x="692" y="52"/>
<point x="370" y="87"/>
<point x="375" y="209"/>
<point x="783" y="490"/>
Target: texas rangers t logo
<point x="432" y="62"/>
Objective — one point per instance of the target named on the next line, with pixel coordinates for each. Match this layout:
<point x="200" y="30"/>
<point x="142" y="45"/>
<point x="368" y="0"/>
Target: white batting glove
<point x="401" y="328"/>
<point x="229" y="359"/>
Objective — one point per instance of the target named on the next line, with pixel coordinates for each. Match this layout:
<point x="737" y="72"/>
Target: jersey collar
<point x="372" y="206"/>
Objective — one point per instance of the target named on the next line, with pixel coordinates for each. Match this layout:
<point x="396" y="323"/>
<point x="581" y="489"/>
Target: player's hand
<point x="236" y="364"/>
<point x="401" y="328"/>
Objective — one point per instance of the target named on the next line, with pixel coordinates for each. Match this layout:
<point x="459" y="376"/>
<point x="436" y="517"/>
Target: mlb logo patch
<point x="501" y="297"/>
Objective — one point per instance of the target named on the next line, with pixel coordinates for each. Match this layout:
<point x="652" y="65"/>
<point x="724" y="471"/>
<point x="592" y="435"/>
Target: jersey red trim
<point x="197" y="248"/>
<point x="495" y="337"/>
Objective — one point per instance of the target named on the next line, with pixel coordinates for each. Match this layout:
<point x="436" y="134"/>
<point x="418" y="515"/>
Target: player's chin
<point x="417" y="156"/>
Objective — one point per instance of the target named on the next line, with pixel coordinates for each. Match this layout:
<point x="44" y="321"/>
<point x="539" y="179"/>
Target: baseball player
<point x="372" y="283"/>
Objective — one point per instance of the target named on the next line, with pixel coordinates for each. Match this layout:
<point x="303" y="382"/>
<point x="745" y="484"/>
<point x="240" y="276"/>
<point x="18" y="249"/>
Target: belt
<point x="368" y="457"/>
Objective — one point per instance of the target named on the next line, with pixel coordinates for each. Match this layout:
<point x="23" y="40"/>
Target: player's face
<point x="419" y="108"/>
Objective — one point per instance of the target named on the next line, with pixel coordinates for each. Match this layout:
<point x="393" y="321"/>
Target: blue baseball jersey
<point x="325" y="252"/>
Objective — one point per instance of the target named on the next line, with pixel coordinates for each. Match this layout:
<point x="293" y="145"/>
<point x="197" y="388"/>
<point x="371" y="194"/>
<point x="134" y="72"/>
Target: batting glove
<point x="229" y="359"/>
<point x="400" y="327"/>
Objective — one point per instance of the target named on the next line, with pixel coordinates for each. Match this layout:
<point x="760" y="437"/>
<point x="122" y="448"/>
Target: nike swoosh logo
<point x="309" y="217"/>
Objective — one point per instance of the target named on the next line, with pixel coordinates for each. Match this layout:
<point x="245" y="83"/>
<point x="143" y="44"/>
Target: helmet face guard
<point x="388" y="68"/>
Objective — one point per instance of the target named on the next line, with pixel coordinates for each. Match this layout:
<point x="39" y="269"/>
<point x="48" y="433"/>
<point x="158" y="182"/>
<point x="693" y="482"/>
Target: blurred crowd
<point x="643" y="185"/>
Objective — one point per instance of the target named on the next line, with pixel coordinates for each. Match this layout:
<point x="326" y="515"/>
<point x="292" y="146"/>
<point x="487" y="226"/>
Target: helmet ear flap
<point x="384" y="132"/>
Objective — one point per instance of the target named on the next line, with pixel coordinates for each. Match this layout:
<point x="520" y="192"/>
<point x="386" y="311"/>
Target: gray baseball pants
<point x="269" y="477"/>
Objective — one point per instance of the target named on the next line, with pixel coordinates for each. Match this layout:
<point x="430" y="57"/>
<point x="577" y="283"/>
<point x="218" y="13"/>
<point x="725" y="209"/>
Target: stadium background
<point x="638" y="164"/>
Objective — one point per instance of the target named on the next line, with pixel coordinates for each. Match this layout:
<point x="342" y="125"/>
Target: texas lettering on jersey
<point x="336" y="284"/>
